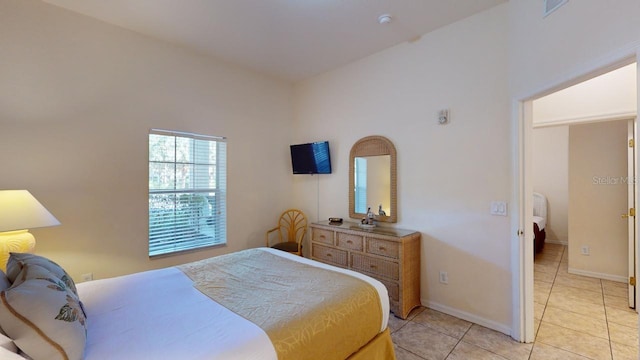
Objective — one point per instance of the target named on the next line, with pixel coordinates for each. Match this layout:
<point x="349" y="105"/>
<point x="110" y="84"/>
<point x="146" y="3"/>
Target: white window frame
<point x="187" y="192"/>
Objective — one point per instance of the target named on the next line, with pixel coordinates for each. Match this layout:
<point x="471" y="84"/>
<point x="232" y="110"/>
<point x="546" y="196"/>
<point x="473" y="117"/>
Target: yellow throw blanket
<point x="307" y="312"/>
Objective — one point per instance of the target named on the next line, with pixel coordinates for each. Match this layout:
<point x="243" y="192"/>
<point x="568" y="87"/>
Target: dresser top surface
<point x="352" y="226"/>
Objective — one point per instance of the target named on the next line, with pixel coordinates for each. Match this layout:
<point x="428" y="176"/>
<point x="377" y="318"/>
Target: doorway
<point x="582" y="171"/>
<point x="523" y="279"/>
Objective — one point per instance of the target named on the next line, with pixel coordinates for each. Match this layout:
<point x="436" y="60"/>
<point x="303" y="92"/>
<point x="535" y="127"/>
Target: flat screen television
<point x="311" y="158"/>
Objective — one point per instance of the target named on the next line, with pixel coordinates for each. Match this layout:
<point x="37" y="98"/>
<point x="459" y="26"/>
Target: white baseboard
<point x="557" y="241"/>
<point x="467" y="316"/>
<point x="618" y="278"/>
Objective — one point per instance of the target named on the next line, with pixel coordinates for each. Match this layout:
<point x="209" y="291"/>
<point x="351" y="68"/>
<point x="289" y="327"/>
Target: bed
<point x="260" y="304"/>
<point x="539" y="221"/>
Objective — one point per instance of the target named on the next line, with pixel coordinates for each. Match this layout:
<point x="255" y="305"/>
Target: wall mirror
<point x="372" y="179"/>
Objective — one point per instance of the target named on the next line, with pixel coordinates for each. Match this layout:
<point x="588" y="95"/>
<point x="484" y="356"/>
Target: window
<point x="187" y="191"/>
<point x="360" y="178"/>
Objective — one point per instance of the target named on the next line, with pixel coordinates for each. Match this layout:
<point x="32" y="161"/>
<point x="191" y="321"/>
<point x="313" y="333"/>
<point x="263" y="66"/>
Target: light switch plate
<point x="499" y="208"/>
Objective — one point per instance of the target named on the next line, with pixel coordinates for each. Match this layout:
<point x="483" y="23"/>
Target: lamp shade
<point x="20" y="210"/>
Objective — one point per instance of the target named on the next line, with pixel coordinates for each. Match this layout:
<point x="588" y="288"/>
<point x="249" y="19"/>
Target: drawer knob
<point x="349" y="242"/>
<point x="322" y="236"/>
<point x="382" y="248"/>
<point x="373" y="266"/>
<point x="328" y="255"/>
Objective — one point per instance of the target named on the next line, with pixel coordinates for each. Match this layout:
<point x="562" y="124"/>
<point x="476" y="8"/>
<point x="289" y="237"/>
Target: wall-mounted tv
<point x="312" y="158"/>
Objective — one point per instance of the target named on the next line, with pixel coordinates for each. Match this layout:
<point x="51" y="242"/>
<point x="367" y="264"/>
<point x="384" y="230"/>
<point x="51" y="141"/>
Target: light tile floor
<point x="576" y="317"/>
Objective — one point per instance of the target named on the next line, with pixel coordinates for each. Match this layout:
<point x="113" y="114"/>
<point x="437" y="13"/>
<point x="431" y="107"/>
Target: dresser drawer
<point x="395" y="308"/>
<point x="323" y="236"/>
<point x="329" y="255"/>
<point x="392" y="289"/>
<point x="383" y="247"/>
<point x="348" y="241"/>
<point x="375" y="266"/>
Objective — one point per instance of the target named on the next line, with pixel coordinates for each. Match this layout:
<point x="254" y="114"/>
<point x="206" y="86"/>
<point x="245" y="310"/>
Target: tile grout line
<point x="566" y="248"/>
<point x="546" y="303"/>
<point x="603" y="305"/>
<point x="545" y="309"/>
<point x="398" y="329"/>
<point x="478" y="346"/>
<point x="459" y="341"/>
<point x="606" y="319"/>
<point x="410" y="352"/>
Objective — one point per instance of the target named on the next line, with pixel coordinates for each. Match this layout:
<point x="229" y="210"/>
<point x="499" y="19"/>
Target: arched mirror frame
<point x="374" y="146"/>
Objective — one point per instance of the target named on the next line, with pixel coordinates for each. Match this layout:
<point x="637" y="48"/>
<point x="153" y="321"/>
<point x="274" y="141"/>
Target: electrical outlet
<point x="87" y="277"/>
<point x="584" y="250"/>
<point x="444" y="277"/>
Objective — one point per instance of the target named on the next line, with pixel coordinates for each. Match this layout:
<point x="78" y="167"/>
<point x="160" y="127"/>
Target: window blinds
<point x="187" y="191"/>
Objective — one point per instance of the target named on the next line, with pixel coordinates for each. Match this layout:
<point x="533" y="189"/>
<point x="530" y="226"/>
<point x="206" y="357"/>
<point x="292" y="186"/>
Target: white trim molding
<point x="564" y="242"/>
<point x="617" y="278"/>
<point x="627" y="115"/>
<point x="467" y="316"/>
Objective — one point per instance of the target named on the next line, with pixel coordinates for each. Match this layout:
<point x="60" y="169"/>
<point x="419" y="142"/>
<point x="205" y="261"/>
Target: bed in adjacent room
<point x="254" y="304"/>
<point x="539" y="221"/>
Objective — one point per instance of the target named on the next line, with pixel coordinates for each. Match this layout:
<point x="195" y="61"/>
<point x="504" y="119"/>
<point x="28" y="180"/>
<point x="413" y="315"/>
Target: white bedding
<point x="542" y="222"/>
<point x="158" y="314"/>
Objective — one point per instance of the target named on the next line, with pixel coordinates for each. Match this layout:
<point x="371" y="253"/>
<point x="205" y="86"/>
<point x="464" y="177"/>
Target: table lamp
<point x="20" y="211"/>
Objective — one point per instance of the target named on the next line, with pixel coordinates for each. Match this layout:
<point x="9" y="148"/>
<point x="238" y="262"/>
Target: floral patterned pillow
<point x="4" y="281"/>
<point x="5" y="342"/>
<point x="43" y="316"/>
<point x="17" y="261"/>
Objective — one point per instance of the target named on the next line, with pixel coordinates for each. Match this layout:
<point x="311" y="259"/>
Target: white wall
<point x="77" y="99"/>
<point x="580" y="37"/>
<point x="597" y="197"/>
<point x="447" y="174"/>
<point x="609" y="95"/>
<point x="551" y="178"/>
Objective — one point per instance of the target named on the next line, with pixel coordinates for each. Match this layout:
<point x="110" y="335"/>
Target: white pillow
<point x="42" y="316"/>
<point x="7" y="344"/>
<point x="9" y="355"/>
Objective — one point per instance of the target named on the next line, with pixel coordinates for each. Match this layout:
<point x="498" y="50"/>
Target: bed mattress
<point x="158" y="314"/>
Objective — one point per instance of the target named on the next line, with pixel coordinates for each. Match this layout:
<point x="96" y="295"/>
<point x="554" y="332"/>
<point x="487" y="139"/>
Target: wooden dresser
<point x="387" y="254"/>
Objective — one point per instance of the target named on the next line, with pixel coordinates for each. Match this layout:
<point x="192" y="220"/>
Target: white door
<point x="631" y="177"/>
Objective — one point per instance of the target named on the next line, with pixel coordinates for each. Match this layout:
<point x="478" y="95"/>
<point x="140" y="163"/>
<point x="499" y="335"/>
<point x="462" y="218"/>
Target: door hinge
<point x="632" y="281"/>
<point x="631" y="143"/>
<point x="632" y="211"/>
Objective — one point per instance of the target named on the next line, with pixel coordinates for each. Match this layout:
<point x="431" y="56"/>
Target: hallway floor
<point x="577" y="317"/>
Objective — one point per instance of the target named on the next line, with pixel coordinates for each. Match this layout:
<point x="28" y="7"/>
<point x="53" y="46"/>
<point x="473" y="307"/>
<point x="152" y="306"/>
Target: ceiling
<point x="288" y="39"/>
